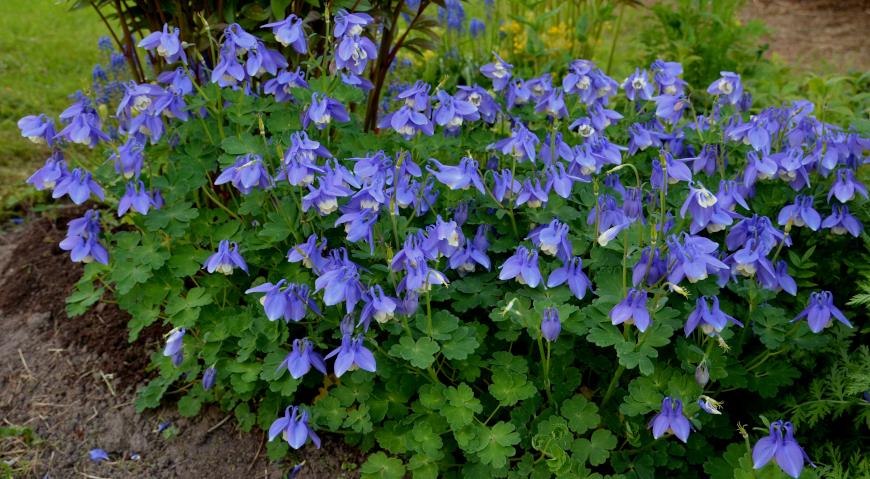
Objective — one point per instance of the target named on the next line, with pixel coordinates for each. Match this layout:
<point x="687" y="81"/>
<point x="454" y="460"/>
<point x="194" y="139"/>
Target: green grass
<point x="46" y="53"/>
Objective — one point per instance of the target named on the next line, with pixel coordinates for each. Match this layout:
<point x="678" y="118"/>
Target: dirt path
<point x="817" y="34"/>
<point x="68" y="385"/>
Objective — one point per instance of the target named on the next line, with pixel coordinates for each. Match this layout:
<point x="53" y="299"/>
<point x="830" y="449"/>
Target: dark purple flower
<point x="820" y="312"/>
<point x="632" y="310"/>
<point x="226" y="259"/>
<point x="672" y="420"/>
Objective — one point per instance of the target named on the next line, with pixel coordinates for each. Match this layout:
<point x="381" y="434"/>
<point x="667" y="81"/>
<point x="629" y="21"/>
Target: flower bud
<point x="702" y="374"/>
<point x="550" y="325"/>
<point x="208" y="378"/>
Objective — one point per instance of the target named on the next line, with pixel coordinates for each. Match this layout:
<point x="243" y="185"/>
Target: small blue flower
<point x="82" y="239"/>
<point x="136" y="197"/>
<point x="841" y="222"/>
<point x="532" y="194"/>
<point x="505" y="185"/>
<point x="476" y="27"/>
<point x="129" y="158"/>
<point x="98" y="455"/>
<point x="638" y="86"/>
<point x="302" y="358"/>
<point x="83" y="124"/>
<point x="174" y="346"/>
<point x="246" y="174"/>
<point x="672" y="420"/>
<point x="293" y="427"/>
<point x="352" y="354"/>
<point x="800" y="213"/>
<point x="167" y="45"/>
<point x="552" y="239"/>
<point x="208" y="378"/>
<point x="309" y="253"/>
<point x="480" y="99"/>
<point x="37" y="128"/>
<point x="550" y="325"/>
<point x="378" y="306"/>
<point x="572" y="272"/>
<point x="452" y="112"/>
<point x="459" y="177"/>
<point x="632" y="310"/>
<point x="350" y="23"/>
<point x="693" y="259"/>
<point x="820" y="312"/>
<point x="52" y="172"/>
<point x="323" y="111"/>
<point x="711" y="319"/>
<point x="845" y="186"/>
<point x="522" y="266"/>
<point x="553" y="104"/>
<point x="784" y="451"/>
<point x="226" y="259"/>
<point x="728" y="88"/>
<point x="283" y="84"/>
<point x="498" y="71"/>
<point x="651" y="267"/>
<point x="289" y="32"/>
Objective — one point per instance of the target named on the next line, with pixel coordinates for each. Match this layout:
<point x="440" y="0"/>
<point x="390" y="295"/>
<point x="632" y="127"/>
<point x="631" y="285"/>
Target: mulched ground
<point x="72" y="381"/>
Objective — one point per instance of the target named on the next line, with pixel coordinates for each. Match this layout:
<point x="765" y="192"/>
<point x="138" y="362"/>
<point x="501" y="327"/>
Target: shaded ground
<point x="68" y="385"/>
<point x="816" y="34"/>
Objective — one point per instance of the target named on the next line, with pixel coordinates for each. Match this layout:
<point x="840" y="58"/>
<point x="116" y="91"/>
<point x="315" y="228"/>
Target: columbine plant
<point x="491" y="282"/>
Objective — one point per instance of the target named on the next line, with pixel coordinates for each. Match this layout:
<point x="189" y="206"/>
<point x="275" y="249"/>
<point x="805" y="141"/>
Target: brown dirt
<point x="816" y="34"/>
<point x="72" y="381"/>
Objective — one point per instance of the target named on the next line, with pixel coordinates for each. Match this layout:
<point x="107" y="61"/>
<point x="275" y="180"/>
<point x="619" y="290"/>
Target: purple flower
<point x="540" y="86"/>
<point x="785" y="451"/>
<point x="78" y="185"/>
<point x="350" y="23"/>
<point x="845" y="186"/>
<point x="168" y="45"/>
<point x="353" y="53"/>
<point x="174" y="345"/>
<point x="246" y="174"/>
<point x="465" y="259"/>
<point x="637" y="86"/>
<point x="731" y="194"/>
<point x="651" y="267"/>
<point x="505" y="185"/>
<point x="728" y="88"/>
<point x="498" y="71"/>
<point x="323" y="110"/>
<point x="559" y="180"/>
<point x="83" y="124"/>
<point x="711" y="319"/>
<point x="37" y="128"/>
<point x="128" y="158"/>
<point x="283" y="84"/>
<point x="562" y="149"/>
<point x="480" y="99"/>
<point x="459" y="177"/>
<point x="670" y="108"/>
<point x="301" y="358"/>
<point x="800" y="213"/>
<point x="476" y="27"/>
<point x="225" y="259"/>
<point x="671" y="420"/>
<point x="208" y="377"/>
<point x="408" y="122"/>
<point x="517" y="93"/>
<point x="136" y="197"/>
<point x="572" y="272"/>
<point x="340" y="281"/>
<point x="378" y="306"/>
<point x="841" y="222"/>
<point x="521" y="144"/>
<point x="778" y="278"/>
<point x="550" y="325"/>
<point x="299" y="165"/>
<point x="705" y="209"/>
<point x="552" y="239"/>
<point x="553" y="104"/>
<point x="228" y="71"/>
<point x="294" y="428"/>
<point x="275" y="301"/>
<point x="692" y="259"/>
<point x="352" y="354"/>
<point x="665" y="75"/>
<point x="98" y="455"/>
<point x="289" y="32"/>
<point x="632" y="310"/>
<point x="820" y="312"/>
<point x="452" y="112"/>
<point x="523" y="266"/>
<point x="532" y="194"/>
<point x="52" y="172"/>
<point x="82" y="239"/>
<point x="309" y="253"/>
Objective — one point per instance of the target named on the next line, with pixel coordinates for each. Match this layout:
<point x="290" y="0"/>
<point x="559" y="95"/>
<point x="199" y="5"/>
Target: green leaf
<point x="83" y="297"/>
<point x="510" y="388"/>
<point x="190" y="404"/>
<point x="461" y="407"/>
<point x="581" y="414"/>
<point x="421" y="354"/>
<point x="422" y="467"/>
<point x="461" y="344"/>
<point x="498" y="444"/>
<point x="329" y="411"/>
<point x="443" y="324"/>
<point x="427" y="441"/>
<point x="597" y="449"/>
<point x="381" y="466"/>
<point x="184" y="311"/>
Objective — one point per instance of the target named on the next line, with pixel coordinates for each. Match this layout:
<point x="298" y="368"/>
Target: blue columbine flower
<point x="706" y="210"/>
<point x="820" y="312"/>
<point x="299" y="165"/>
<point x="378" y="306"/>
<point x="465" y="259"/>
<point x="480" y="99"/>
<point x="37" y="128"/>
<point x="638" y="86"/>
<point x="523" y="266"/>
<point x="442" y="238"/>
<point x="800" y="213"/>
<point x="671" y="420"/>
<point x="452" y="112"/>
<point x="498" y="71"/>
<point x="136" y="197"/>
<point x="226" y="259"/>
<point x="354" y="52"/>
<point x="83" y="124"/>
<point x="670" y="108"/>
<point x="174" y="345"/>
<point x="845" y="186"/>
<point x="289" y="32"/>
<point x="79" y="185"/>
<point x="562" y="149"/>
<point x="777" y="279"/>
<point x="550" y="325"/>
<point x="532" y="194"/>
<point x="275" y="301"/>
<point x="505" y="185"/>
<point x="711" y="319"/>
<point x="352" y="354"/>
<point x="98" y="455"/>
<point x="350" y="23"/>
<point x="228" y="71"/>
<point x="731" y="194"/>
<point x="728" y="88"/>
<point x="339" y="281"/>
<point x="82" y="239"/>
<point x="666" y="77"/>
<point x="323" y="111"/>
<point x="552" y="104"/>
<point x="282" y="85"/>
<point x="53" y="171"/>
<point x="841" y="222"/>
<point x="459" y="177"/>
<point x="632" y="310"/>
<point x="167" y="45"/>
<point x="559" y="180"/>
<point x="552" y="239"/>
<point x="309" y="253"/>
<point x="301" y="358"/>
<point x="294" y="428"/>
<point x="693" y="259"/>
<point x="208" y="377"/>
<point x="572" y="273"/>
<point x="129" y="158"/>
<point x="708" y="404"/>
<point x="785" y="451"/>
<point x="246" y="174"/>
<point x="652" y="268"/>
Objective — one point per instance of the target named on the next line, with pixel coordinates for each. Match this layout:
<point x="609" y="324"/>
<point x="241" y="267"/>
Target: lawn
<point x="46" y="53"/>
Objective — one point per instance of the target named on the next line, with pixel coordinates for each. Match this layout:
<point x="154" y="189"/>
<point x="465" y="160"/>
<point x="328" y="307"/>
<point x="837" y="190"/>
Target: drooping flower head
<point x="781" y="447"/>
<point x="294" y="428"/>
<point x="174" y="345"/>
<point x="226" y="259"/>
<point x="550" y="325"/>
<point x="711" y="319"/>
<point x="522" y="266"/>
<point x="246" y="174"/>
<point x="498" y="71"/>
<point x="671" y="420"/>
<point x="289" y="32"/>
<point x="352" y="354"/>
<point x="821" y="312"/>
<point x="82" y="239"/>
<point x="167" y="44"/>
<point x="302" y="358"/>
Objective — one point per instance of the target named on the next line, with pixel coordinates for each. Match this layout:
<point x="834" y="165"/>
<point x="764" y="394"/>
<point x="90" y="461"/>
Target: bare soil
<point x="72" y="382"/>
<point x="816" y="34"/>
